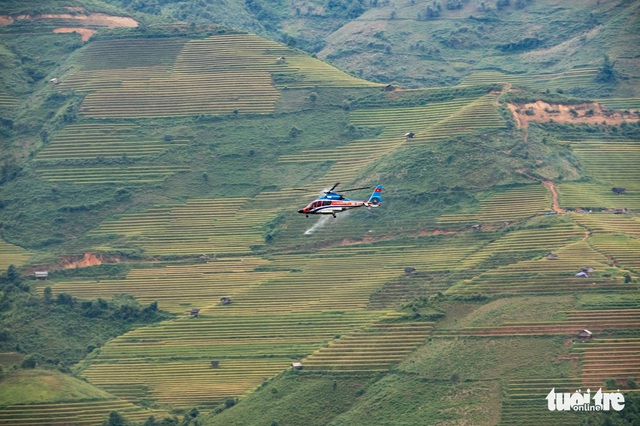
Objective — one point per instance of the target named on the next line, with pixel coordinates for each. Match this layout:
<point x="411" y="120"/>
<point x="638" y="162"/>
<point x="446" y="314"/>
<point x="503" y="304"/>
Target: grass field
<point x="12" y="255"/>
<point x="36" y="397"/>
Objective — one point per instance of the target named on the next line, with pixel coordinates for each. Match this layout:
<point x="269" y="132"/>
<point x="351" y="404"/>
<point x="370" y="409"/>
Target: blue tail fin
<point x="375" y="198"/>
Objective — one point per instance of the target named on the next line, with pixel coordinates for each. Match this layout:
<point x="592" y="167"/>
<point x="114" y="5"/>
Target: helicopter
<point x="332" y="202"/>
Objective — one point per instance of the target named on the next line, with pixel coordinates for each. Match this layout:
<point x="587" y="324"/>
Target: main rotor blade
<point x="355" y="189"/>
<point x="332" y="188"/>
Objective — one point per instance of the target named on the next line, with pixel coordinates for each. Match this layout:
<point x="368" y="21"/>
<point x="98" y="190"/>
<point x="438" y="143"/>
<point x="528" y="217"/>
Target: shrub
<point x="29" y="362"/>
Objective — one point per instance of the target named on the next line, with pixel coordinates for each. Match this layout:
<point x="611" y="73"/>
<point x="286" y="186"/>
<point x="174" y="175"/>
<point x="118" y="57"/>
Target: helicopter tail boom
<point x="375" y="200"/>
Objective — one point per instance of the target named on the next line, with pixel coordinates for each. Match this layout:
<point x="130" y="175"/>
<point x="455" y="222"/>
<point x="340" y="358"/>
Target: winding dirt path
<point x="555" y="205"/>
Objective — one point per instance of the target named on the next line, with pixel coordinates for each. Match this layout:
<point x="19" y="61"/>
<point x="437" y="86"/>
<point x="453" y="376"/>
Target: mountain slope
<point x="179" y="152"/>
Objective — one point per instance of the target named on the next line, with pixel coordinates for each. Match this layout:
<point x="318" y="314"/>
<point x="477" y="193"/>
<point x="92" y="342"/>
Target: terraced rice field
<point x="211" y="226"/>
<point x="524" y="402"/>
<point x="132" y="174"/>
<point x="73" y="413"/>
<point x="12" y="255"/>
<point x="583" y="77"/>
<point x="547" y="276"/>
<point x="593" y="320"/>
<point x="250" y="348"/>
<point x="609" y="358"/>
<point x="7" y="101"/>
<point x="508" y="205"/>
<point x="184" y="384"/>
<point x="282" y="311"/>
<point x="433" y="122"/>
<point x="107" y="140"/>
<point x="621" y="103"/>
<point x="613" y="163"/>
<point x="609" y="223"/>
<point x="217" y="75"/>
<point x="624" y="251"/>
<point x="178" y="288"/>
<point x="595" y="196"/>
<point x="374" y="348"/>
<point x="130" y="53"/>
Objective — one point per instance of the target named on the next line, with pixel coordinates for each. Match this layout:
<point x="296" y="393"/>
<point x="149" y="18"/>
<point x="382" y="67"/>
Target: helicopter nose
<point x="300" y="211"/>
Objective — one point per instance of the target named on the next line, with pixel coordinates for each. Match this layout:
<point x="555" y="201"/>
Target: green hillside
<point x="160" y="167"/>
<point x="33" y="397"/>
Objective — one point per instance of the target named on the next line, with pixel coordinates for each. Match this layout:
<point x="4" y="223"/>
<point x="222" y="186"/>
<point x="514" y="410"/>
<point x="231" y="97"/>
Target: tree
<point x="29" y="362"/>
<point x="606" y="73"/>
<point x="115" y="419"/>
<point x="65" y="299"/>
<point x="12" y="274"/>
<point x="48" y="295"/>
<point x="501" y="4"/>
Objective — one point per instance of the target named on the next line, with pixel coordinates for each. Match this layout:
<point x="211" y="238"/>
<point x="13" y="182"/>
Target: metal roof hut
<point x="195" y="312"/>
<point x="618" y="190"/>
<point x="225" y="300"/>
<point x="54" y="80"/>
<point x="41" y="275"/>
<point x="409" y="135"/>
<point x="552" y="256"/>
<point x="409" y="270"/>
<point x="585" y="334"/>
<point x="296" y="366"/>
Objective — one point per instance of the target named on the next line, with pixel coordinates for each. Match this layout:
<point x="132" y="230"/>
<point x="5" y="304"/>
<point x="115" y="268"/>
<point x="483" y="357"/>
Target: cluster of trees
<point x="435" y="9"/>
<point x="60" y="330"/>
<point x="190" y="419"/>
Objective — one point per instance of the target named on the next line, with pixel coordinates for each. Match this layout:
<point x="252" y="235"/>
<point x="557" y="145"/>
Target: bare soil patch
<point x="85" y="33"/>
<point x="88" y="259"/>
<point x="554" y="193"/>
<point x="88" y="19"/>
<point x="586" y="113"/>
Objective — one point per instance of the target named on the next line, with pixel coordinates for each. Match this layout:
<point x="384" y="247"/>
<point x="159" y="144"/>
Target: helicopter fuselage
<point x="332" y="203"/>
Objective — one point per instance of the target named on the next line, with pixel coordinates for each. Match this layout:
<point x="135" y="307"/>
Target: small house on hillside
<point x="585" y="334"/>
<point x="409" y="270"/>
<point x="54" y="81"/>
<point x="389" y="88"/>
<point x="195" y="312"/>
<point x="215" y="364"/>
<point x="409" y="135"/>
<point x="281" y="60"/>
<point x="552" y="256"/>
<point x="618" y="190"/>
<point x="41" y="275"/>
<point x="476" y="227"/>
<point x="620" y="210"/>
<point x="296" y="366"/>
<point x="582" y="275"/>
<point x="225" y="300"/>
